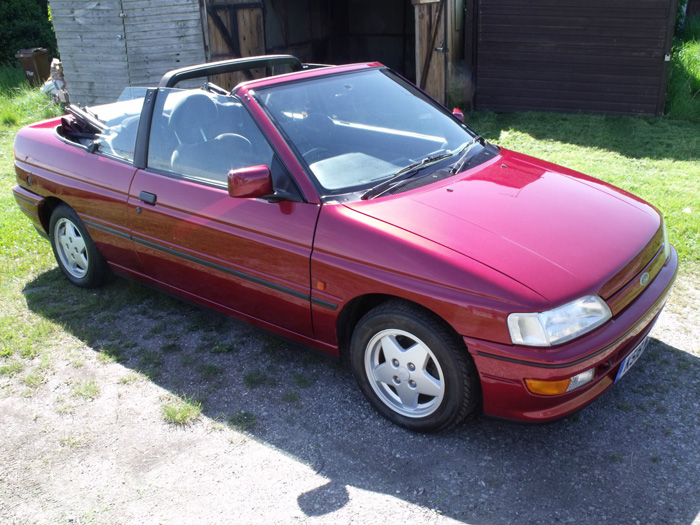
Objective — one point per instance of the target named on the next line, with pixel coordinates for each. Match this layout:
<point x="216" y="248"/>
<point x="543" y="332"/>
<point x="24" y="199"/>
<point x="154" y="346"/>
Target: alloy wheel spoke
<point x="418" y="355"/>
<point x="427" y="384"/>
<point x="391" y="348"/>
<point x="408" y="395"/>
<point x="81" y="261"/>
<point x="78" y="241"/>
<point x="384" y="372"/>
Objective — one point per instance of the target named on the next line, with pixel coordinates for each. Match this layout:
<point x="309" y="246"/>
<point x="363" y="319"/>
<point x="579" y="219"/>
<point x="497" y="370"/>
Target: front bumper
<point x="503" y="368"/>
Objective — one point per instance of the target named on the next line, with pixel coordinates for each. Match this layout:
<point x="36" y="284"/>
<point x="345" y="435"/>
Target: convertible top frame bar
<point x="172" y="78"/>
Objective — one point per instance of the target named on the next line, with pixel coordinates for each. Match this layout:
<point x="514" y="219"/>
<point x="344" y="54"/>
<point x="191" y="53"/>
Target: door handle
<point x="148" y="198"/>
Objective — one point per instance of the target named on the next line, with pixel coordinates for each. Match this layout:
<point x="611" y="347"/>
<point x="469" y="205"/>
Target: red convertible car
<point x="343" y="208"/>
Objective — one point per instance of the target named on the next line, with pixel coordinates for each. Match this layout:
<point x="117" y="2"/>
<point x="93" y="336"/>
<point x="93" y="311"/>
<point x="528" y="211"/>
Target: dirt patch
<point x="285" y="436"/>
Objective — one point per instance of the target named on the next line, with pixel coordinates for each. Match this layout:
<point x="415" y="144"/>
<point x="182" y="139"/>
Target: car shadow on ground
<point x="632" y="455"/>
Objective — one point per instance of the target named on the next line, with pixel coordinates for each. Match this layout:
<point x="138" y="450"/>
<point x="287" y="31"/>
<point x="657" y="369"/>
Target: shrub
<point x="683" y="100"/>
<point x="25" y="24"/>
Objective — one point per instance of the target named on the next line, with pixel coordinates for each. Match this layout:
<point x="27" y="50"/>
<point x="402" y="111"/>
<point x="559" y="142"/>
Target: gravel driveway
<point x="315" y="451"/>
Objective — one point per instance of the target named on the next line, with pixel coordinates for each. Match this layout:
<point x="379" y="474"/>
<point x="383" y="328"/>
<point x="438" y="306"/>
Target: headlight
<point x="667" y="245"/>
<point x="560" y="324"/>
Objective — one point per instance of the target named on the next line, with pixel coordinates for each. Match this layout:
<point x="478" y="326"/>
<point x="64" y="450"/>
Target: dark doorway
<point x="344" y="31"/>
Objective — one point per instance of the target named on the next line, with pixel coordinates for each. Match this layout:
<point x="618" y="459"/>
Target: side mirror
<point x="458" y="113"/>
<point x="254" y="182"/>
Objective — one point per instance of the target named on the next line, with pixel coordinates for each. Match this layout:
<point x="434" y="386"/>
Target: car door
<point x="249" y="256"/>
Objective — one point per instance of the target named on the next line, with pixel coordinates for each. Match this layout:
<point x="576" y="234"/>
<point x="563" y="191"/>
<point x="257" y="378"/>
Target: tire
<point x="413" y="368"/>
<point x="75" y="251"/>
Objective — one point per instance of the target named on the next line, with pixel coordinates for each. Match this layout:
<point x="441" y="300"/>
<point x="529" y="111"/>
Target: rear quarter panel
<point x="96" y="187"/>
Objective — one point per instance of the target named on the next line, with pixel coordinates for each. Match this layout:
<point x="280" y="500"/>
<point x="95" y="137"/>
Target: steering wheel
<point x="316" y="154"/>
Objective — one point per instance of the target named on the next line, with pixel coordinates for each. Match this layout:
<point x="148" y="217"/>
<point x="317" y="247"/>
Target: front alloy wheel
<point x="413" y="368"/>
<point x="404" y="373"/>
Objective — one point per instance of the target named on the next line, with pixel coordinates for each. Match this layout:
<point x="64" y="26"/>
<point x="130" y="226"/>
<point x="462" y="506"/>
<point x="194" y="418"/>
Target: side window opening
<point x="202" y="136"/>
<point x="109" y="130"/>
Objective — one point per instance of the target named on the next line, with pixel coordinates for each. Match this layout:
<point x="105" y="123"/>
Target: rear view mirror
<point x="254" y="182"/>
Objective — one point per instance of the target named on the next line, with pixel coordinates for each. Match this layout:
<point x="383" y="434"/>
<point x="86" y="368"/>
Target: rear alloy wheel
<point x="413" y="369"/>
<point x="75" y="251"/>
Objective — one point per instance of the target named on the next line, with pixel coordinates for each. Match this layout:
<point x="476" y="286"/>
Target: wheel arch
<point x="48" y="205"/>
<point x="357" y="307"/>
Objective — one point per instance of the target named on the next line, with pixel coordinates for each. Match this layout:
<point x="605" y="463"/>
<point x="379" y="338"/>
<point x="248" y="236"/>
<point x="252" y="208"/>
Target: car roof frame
<point x="172" y="78"/>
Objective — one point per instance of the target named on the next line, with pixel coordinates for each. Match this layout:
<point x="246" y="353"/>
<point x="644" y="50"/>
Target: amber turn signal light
<point x="553" y="388"/>
<point x="547" y="388"/>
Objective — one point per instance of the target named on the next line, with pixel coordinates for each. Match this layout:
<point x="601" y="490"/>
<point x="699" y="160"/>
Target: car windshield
<point x="354" y="130"/>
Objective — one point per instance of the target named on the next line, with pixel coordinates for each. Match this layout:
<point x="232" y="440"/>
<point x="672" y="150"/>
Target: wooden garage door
<point x="558" y="55"/>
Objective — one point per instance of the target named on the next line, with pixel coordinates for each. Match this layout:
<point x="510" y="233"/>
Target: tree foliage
<point x="25" y="24"/>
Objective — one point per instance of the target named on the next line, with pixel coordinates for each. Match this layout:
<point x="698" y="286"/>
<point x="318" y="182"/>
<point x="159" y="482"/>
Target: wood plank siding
<point x="554" y="55"/>
<point x="92" y="52"/>
<point x="108" y="45"/>
<point x="161" y="36"/>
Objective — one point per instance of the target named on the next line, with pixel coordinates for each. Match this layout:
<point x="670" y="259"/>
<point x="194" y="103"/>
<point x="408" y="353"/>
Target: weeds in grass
<point x="34" y="380"/>
<point x="23" y="104"/>
<point x="171" y="348"/>
<point x="86" y="389"/>
<point x="207" y="371"/>
<point x="188" y="359"/>
<point x="201" y="321"/>
<point x="105" y="358"/>
<point x="11" y="368"/>
<point x="128" y="380"/>
<point x="291" y="396"/>
<point x="258" y="378"/>
<point x="181" y="411"/>
<point x="242" y="420"/>
<point x="110" y="353"/>
<point x="158" y="328"/>
<point x="223" y="348"/>
<point x="64" y="407"/>
<point x="303" y="380"/>
<point x="271" y="344"/>
<point x="150" y="363"/>
<point x="73" y="441"/>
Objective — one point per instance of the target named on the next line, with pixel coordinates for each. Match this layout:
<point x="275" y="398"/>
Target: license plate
<point x="631" y="359"/>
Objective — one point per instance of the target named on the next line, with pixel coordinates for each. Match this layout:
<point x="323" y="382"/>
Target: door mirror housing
<point x="254" y="182"/>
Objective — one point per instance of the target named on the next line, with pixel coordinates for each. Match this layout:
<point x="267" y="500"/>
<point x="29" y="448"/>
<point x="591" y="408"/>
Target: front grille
<point x="637" y="284"/>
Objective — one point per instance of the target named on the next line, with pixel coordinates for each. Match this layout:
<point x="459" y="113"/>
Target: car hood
<point x="558" y="232"/>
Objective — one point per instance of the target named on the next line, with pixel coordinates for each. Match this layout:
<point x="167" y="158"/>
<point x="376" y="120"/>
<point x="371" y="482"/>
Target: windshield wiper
<point x="401" y="175"/>
<point x="465" y="154"/>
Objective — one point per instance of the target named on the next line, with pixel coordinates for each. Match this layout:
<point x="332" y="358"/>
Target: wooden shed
<point x="595" y="56"/>
<point x="497" y="54"/>
<point x="107" y="45"/>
